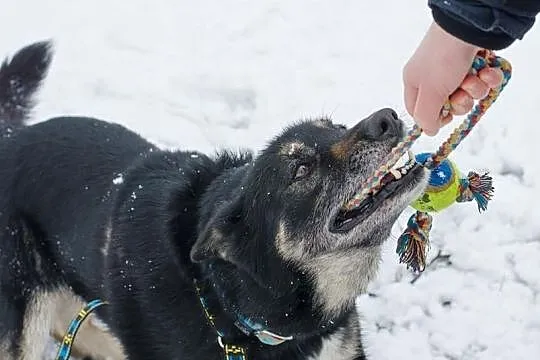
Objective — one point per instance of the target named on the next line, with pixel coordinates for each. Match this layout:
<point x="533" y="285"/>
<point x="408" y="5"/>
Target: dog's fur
<point x="89" y="209"/>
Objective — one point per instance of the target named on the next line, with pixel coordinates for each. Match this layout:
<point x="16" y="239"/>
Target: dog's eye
<point x="301" y="171"/>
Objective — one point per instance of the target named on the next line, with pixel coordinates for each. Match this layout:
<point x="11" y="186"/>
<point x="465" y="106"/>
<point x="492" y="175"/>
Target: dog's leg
<point x="36" y="325"/>
<point x="93" y="340"/>
<point x="10" y="325"/>
<point x="49" y="313"/>
<point x="24" y="310"/>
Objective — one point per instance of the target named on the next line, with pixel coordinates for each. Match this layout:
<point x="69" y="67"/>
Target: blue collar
<point x="249" y="327"/>
<point x="246" y="326"/>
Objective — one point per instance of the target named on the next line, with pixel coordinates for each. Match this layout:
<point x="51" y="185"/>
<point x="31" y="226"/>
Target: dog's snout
<point x="381" y="125"/>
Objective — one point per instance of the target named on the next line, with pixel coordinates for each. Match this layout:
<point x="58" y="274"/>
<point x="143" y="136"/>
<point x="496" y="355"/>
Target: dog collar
<point x="246" y="326"/>
<point x="64" y="351"/>
<point x="232" y="351"/>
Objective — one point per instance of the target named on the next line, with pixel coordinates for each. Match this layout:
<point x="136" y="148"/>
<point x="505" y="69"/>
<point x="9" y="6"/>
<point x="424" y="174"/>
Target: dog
<point x="198" y="256"/>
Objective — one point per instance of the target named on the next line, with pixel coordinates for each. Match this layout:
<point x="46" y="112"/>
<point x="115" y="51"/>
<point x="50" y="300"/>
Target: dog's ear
<point x="227" y="236"/>
<point x="219" y="236"/>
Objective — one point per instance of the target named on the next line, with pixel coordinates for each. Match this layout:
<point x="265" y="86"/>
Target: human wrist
<point x="451" y="43"/>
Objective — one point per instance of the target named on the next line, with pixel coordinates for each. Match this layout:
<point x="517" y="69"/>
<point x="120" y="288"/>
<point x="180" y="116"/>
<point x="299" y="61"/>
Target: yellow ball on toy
<point x="443" y="188"/>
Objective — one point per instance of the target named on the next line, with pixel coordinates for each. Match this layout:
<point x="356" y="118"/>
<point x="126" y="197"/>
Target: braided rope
<point x="374" y="182"/>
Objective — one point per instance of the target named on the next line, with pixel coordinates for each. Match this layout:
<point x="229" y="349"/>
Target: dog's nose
<point x="381" y="125"/>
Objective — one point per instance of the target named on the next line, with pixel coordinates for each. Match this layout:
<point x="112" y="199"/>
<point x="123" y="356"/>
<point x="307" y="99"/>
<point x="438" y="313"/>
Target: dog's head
<point x="292" y="198"/>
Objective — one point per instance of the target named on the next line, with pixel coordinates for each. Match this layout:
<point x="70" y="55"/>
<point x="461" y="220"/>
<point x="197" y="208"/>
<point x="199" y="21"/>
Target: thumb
<point x="428" y="109"/>
<point x="410" y="95"/>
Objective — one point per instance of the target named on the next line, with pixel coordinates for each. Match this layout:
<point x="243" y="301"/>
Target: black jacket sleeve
<point x="490" y="24"/>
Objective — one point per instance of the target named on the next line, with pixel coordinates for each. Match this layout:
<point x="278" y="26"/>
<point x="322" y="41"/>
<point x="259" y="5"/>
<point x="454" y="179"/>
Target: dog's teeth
<point x="395" y="173"/>
<point x="402" y="161"/>
<point x="403" y="165"/>
<point x="410" y="165"/>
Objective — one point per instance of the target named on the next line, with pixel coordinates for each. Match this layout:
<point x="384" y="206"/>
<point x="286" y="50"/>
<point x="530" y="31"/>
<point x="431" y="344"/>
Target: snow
<point x="219" y="73"/>
<point x="118" y="179"/>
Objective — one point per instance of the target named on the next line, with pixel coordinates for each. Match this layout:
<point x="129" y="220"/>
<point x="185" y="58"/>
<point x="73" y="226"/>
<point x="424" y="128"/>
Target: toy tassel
<point x="413" y="243"/>
<point x="476" y="187"/>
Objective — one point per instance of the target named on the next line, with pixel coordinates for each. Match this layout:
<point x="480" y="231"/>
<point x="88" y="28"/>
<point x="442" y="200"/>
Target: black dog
<point x="88" y="209"/>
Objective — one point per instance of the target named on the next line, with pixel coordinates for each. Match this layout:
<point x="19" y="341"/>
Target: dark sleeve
<point x="490" y="24"/>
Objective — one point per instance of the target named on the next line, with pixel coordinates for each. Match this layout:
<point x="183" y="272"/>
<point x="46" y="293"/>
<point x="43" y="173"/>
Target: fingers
<point x="493" y="77"/>
<point x="461" y="101"/>
<point x="475" y="87"/>
<point x="424" y="103"/>
<point x="427" y="108"/>
<point x="410" y="96"/>
<point x="446" y="120"/>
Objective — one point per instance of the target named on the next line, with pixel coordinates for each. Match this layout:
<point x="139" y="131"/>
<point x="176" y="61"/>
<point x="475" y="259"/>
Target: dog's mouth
<point x="394" y="183"/>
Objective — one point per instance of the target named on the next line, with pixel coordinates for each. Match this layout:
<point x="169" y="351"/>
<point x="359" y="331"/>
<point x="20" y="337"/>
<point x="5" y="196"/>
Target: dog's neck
<point x="242" y="298"/>
<point x="340" y="277"/>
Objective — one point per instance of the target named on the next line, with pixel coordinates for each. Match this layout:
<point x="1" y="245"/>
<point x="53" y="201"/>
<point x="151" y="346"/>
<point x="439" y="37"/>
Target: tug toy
<point x="446" y="184"/>
<point x="445" y="187"/>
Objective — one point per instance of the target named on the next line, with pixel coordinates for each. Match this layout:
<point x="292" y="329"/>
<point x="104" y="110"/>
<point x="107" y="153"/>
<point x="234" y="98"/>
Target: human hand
<point x="439" y="71"/>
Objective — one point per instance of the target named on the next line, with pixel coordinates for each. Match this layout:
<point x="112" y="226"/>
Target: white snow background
<point x="209" y="74"/>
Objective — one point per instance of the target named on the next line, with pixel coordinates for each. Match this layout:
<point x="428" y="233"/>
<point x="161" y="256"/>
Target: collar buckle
<point x="232" y="352"/>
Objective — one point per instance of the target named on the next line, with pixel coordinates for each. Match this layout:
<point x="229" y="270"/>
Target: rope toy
<point x="446" y="185"/>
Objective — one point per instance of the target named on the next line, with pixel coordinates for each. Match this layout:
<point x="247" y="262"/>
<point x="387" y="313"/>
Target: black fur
<point x="71" y="183"/>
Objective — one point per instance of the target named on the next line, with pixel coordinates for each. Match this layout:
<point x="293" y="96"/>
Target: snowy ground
<point x="218" y="73"/>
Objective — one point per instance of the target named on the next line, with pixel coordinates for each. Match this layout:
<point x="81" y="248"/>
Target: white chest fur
<point x="339" y="346"/>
